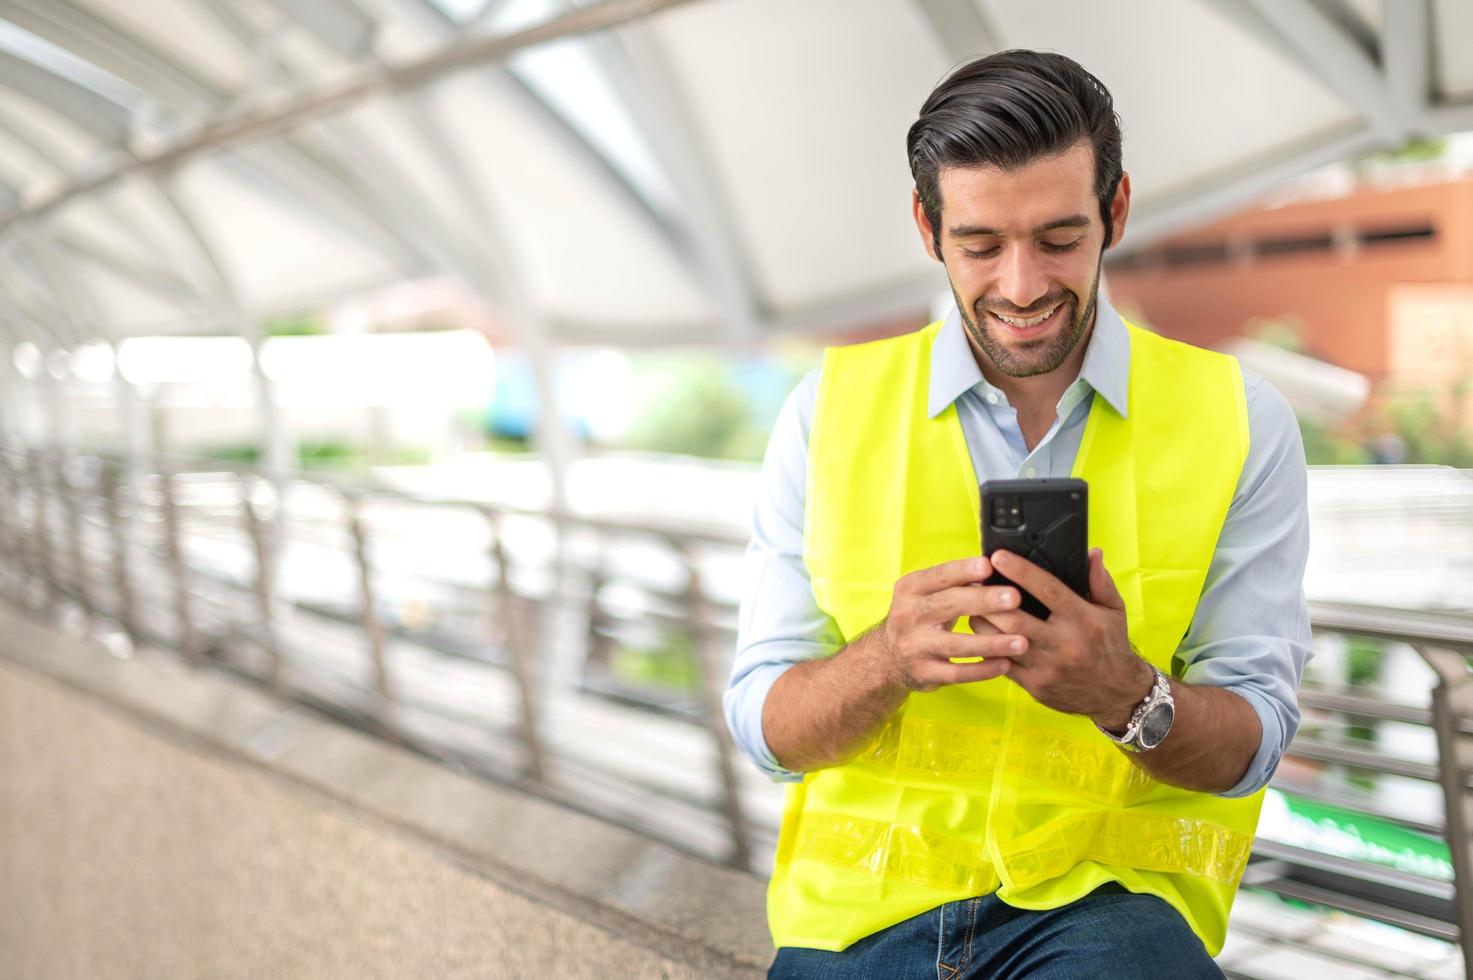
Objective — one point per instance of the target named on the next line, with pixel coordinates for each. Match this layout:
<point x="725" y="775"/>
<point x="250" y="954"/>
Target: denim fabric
<point x="1110" y="934"/>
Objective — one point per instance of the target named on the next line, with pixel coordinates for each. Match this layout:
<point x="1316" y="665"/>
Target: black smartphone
<point x="1045" y="521"/>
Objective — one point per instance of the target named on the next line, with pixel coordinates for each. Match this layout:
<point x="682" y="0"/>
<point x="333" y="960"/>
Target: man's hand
<point x="821" y="712"/>
<point x="1080" y="659"/>
<point x="917" y="645"/>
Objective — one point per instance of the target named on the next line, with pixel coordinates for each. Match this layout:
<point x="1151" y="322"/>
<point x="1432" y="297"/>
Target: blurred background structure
<point x="404" y="366"/>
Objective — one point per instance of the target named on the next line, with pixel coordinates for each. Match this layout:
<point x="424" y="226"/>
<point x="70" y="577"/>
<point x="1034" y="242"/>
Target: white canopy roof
<point x="627" y="171"/>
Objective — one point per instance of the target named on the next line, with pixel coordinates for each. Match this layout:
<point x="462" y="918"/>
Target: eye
<point x="985" y="253"/>
<point x="1061" y="246"/>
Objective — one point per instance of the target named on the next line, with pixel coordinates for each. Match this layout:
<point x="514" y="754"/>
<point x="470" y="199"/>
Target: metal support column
<point x="117" y="518"/>
<point x="373" y="627"/>
<point x="63" y="458"/>
<point x="174" y="554"/>
<point x="262" y="547"/>
<point x="519" y="649"/>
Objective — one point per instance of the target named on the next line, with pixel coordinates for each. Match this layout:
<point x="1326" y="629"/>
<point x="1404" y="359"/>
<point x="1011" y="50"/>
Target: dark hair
<point x="1007" y="110"/>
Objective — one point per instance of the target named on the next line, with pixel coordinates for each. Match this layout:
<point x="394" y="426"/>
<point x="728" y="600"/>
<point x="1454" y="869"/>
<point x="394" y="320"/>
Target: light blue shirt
<point x="1250" y="633"/>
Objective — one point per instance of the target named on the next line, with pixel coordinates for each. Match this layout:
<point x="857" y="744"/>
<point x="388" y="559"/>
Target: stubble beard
<point x="1034" y="357"/>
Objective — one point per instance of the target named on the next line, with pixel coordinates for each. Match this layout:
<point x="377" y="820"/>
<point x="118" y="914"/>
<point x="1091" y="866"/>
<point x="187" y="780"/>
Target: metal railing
<point x="583" y="658"/>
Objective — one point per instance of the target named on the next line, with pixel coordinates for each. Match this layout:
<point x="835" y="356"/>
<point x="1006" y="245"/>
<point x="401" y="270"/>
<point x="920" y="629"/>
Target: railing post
<point x="12" y="543"/>
<point x="711" y="683"/>
<point x="178" y="567"/>
<point x="373" y="627"/>
<point x="518" y="646"/>
<point x="1452" y="704"/>
<point x="42" y="531"/>
<point x="127" y="610"/>
<point x="264" y="582"/>
<point x="78" y="543"/>
<point x="28" y="553"/>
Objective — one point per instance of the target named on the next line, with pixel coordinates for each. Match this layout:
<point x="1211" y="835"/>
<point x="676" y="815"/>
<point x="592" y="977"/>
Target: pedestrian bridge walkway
<point x="167" y="822"/>
<point x="162" y="823"/>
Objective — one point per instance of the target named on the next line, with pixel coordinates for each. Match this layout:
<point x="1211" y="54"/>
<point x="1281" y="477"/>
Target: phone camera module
<point x="1007" y="512"/>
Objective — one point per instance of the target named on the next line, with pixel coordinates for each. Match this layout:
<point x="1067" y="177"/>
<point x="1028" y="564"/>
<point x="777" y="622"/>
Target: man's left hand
<point x="1079" y="660"/>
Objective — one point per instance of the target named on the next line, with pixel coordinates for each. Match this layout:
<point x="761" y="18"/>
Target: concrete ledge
<point x="161" y="823"/>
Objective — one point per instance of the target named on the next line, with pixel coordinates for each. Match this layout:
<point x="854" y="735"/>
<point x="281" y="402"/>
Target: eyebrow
<point x="975" y="231"/>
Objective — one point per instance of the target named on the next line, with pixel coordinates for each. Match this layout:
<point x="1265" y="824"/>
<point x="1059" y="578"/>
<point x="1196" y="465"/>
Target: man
<point x="973" y="790"/>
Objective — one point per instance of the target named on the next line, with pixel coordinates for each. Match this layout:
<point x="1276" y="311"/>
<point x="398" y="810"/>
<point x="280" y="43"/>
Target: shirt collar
<point x="1106" y="367"/>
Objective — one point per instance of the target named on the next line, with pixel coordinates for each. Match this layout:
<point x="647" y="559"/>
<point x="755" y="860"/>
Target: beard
<point x="1025" y="359"/>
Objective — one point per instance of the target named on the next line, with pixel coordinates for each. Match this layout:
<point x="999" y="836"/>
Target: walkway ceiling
<point x="626" y="171"/>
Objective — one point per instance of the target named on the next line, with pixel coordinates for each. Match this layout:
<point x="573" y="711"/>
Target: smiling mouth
<point x="1029" y="324"/>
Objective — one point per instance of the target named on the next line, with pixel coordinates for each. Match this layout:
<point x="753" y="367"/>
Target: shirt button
<point x="992" y="398"/>
<point x="1029" y="472"/>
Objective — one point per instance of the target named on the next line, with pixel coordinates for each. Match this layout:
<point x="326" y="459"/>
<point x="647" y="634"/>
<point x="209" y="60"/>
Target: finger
<point x="981" y="626"/>
<point x="940" y="673"/>
<point x="960" y="646"/>
<point x="1102" y="589"/>
<point x="966" y="600"/>
<point x="948" y="574"/>
<point x="1019" y="623"/>
<point x="1045" y="587"/>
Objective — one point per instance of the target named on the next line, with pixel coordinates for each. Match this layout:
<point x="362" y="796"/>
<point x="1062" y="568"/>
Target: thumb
<point x="1102" y="591"/>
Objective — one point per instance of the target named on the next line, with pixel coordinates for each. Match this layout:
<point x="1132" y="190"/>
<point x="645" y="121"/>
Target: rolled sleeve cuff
<point x="743" y="703"/>
<point x="1270" y="747"/>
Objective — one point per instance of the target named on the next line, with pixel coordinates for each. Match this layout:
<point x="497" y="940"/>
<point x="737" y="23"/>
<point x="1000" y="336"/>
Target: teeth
<point x="1032" y="322"/>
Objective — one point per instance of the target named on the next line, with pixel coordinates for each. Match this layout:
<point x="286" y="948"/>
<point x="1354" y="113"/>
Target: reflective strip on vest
<point x="1090" y="768"/>
<point x="1175" y="845"/>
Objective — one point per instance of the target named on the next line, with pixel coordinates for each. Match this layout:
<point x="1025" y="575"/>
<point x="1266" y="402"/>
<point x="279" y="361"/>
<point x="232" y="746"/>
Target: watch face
<point x="1156" y="724"/>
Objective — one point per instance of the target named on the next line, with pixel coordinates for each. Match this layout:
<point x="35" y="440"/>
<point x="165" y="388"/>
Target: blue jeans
<point x="1110" y="934"/>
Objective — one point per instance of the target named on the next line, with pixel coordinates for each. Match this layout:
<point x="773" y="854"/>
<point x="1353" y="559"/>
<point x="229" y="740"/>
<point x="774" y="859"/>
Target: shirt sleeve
<point x="1251" y="633"/>
<point x="779" y="623"/>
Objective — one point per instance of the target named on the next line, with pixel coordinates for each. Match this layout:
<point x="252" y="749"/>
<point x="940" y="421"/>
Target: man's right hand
<point x="821" y="712"/>
<point x="915" y="642"/>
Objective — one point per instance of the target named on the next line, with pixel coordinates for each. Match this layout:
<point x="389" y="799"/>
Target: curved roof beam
<point x="106" y="121"/>
<point x="1350" y="71"/>
<point x="112" y="47"/>
<point x="160" y="280"/>
<point x="335" y="98"/>
<point x="25" y="295"/>
<point x="670" y="227"/>
<point x="73" y="303"/>
<point x="473" y="252"/>
<point x="643" y="83"/>
<point x="92" y="112"/>
<point x="341" y="25"/>
<point x="163" y="279"/>
<point x="1392" y="96"/>
<point x="93" y="36"/>
<point x="1387" y="87"/>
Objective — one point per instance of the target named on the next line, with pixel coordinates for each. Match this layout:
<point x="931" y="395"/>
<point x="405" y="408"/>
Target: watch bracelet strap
<point x="1131" y="736"/>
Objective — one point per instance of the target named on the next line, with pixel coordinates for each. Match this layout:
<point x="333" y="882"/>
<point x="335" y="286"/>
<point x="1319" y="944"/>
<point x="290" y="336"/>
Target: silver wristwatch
<point x="1150" y="722"/>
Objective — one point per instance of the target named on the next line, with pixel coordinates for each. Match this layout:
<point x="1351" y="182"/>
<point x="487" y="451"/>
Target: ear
<point x="923" y="224"/>
<point x="1120" y="209"/>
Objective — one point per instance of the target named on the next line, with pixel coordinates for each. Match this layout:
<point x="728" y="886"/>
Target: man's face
<point x="1022" y="249"/>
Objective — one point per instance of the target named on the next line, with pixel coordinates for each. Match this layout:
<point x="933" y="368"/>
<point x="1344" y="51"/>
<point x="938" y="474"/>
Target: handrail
<point x="161" y="597"/>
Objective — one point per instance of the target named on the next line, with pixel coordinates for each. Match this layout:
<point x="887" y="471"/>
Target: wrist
<point x="879" y="662"/>
<point x="1135" y="687"/>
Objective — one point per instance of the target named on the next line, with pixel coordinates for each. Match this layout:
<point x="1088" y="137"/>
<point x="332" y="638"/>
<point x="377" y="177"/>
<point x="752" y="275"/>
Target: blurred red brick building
<point x="1379" y="281"/>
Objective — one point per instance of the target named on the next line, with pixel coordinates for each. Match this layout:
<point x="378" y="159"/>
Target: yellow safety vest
<point x="976" y="787"/>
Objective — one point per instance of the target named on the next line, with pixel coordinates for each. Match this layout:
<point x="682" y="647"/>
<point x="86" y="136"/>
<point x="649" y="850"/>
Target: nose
<point x="1020" y="279"/>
